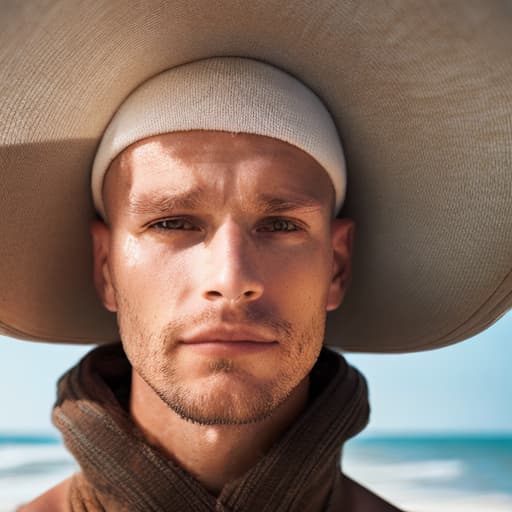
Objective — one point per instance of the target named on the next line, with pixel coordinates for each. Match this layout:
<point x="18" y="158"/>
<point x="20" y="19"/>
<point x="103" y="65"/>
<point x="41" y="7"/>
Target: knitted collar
<point x="121" y="469"/>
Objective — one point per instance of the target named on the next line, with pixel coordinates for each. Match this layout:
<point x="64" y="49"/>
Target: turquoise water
<point x="416" y="470"/>
<point x="477" y="464"/>
<point x="425" y="473"/>
<point x="13" y="439"/>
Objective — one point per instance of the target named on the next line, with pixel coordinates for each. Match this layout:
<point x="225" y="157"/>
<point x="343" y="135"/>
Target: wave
<point x="407" y="471"/>
<point x="26" y="460"/>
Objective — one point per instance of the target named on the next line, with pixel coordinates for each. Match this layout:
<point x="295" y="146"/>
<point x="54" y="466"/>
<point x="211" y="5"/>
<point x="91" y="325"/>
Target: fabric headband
<point x="225" y="94"/>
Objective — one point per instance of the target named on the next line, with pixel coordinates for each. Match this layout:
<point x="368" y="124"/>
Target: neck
<point x="213" y="454"/>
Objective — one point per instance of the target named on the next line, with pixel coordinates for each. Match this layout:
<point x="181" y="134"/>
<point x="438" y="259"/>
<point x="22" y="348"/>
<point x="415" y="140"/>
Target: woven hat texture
<point x="421" y="96"/>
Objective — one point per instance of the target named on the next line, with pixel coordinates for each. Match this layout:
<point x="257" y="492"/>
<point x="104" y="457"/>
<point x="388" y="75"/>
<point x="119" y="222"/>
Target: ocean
<point x="416" y="472"/>
<point x="470" y="473"/>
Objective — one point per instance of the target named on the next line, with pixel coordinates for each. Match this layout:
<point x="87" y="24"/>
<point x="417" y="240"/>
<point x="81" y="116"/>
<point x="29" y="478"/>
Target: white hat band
<point x="224" y="94"/>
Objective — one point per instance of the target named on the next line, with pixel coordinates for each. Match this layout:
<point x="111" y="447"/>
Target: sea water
<point x="29" y="465"/>
<point x="416" y="472"/>
<point x="435" y="473"/>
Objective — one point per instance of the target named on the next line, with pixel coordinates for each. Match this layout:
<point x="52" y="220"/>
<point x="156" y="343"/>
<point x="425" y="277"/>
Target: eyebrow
<point x="276" y="204"/>
<point x="155" y="203"/>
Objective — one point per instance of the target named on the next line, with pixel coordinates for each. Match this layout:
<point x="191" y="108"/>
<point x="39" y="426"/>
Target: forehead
<point x="217" y="165"/>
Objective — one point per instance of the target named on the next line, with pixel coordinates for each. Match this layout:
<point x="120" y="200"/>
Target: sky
<point x="465" y="387"/>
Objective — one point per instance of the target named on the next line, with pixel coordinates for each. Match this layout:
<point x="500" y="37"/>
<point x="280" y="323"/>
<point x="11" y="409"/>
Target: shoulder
<point x="56" y="499"/>
<point x="348" y="492"/>
<point x="366" y="499"/>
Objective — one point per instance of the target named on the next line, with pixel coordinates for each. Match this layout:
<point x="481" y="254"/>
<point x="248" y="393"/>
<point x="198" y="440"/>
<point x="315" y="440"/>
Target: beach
<point x="416" y="473"/>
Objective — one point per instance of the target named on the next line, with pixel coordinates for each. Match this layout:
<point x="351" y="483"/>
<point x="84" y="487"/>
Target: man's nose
<point x="232" y="265"/>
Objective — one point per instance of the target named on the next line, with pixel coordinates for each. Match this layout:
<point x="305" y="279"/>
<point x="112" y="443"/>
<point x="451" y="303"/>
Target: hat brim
<point x="422" y="97"/>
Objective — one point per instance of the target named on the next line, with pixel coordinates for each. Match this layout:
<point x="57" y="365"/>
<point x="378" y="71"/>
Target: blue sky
<point x="465" y="387"/>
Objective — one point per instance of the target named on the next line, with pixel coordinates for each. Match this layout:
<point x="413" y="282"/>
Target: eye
<point x="278" y="225"/>
<point x="179" y="223"/>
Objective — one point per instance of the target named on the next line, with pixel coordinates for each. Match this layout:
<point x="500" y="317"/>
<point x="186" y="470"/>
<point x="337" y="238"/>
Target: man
<point x="219" y="249"/>
<point x="220" y="253"/>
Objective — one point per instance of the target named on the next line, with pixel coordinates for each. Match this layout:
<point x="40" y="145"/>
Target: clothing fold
<point x="120" y="471"/>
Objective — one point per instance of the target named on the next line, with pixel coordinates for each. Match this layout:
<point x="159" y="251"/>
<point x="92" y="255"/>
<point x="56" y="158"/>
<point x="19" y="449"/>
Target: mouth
<point x="229" y="341"/>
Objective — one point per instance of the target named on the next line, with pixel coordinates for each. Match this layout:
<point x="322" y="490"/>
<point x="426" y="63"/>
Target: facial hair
<point x="247" y="399"/>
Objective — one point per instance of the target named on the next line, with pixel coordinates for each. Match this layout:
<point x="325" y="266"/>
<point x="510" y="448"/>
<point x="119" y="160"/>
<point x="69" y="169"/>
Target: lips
<point x="229" y="341"/>
<point x="228" y="335"/>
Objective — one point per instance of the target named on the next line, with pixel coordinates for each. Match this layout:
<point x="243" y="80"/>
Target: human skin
<point x="235" y="233"/>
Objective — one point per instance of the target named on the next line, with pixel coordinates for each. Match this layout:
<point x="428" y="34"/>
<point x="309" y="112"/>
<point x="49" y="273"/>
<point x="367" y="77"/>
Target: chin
<point x="227" y="398"/>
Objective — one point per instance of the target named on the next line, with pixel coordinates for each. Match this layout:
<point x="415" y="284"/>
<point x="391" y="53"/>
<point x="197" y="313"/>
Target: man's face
<point x="221" y="259"/>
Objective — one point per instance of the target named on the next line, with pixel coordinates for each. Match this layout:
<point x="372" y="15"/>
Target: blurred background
<point x="439" y="437"/>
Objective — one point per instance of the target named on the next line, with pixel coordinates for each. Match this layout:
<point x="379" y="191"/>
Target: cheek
<point x="159" y="280"/>
<point x="149" y="276"/>
<point x="300" y="278"/>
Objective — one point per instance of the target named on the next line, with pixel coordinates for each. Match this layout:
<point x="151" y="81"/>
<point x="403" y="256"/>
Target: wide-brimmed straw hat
<point x="421" y="95"/>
